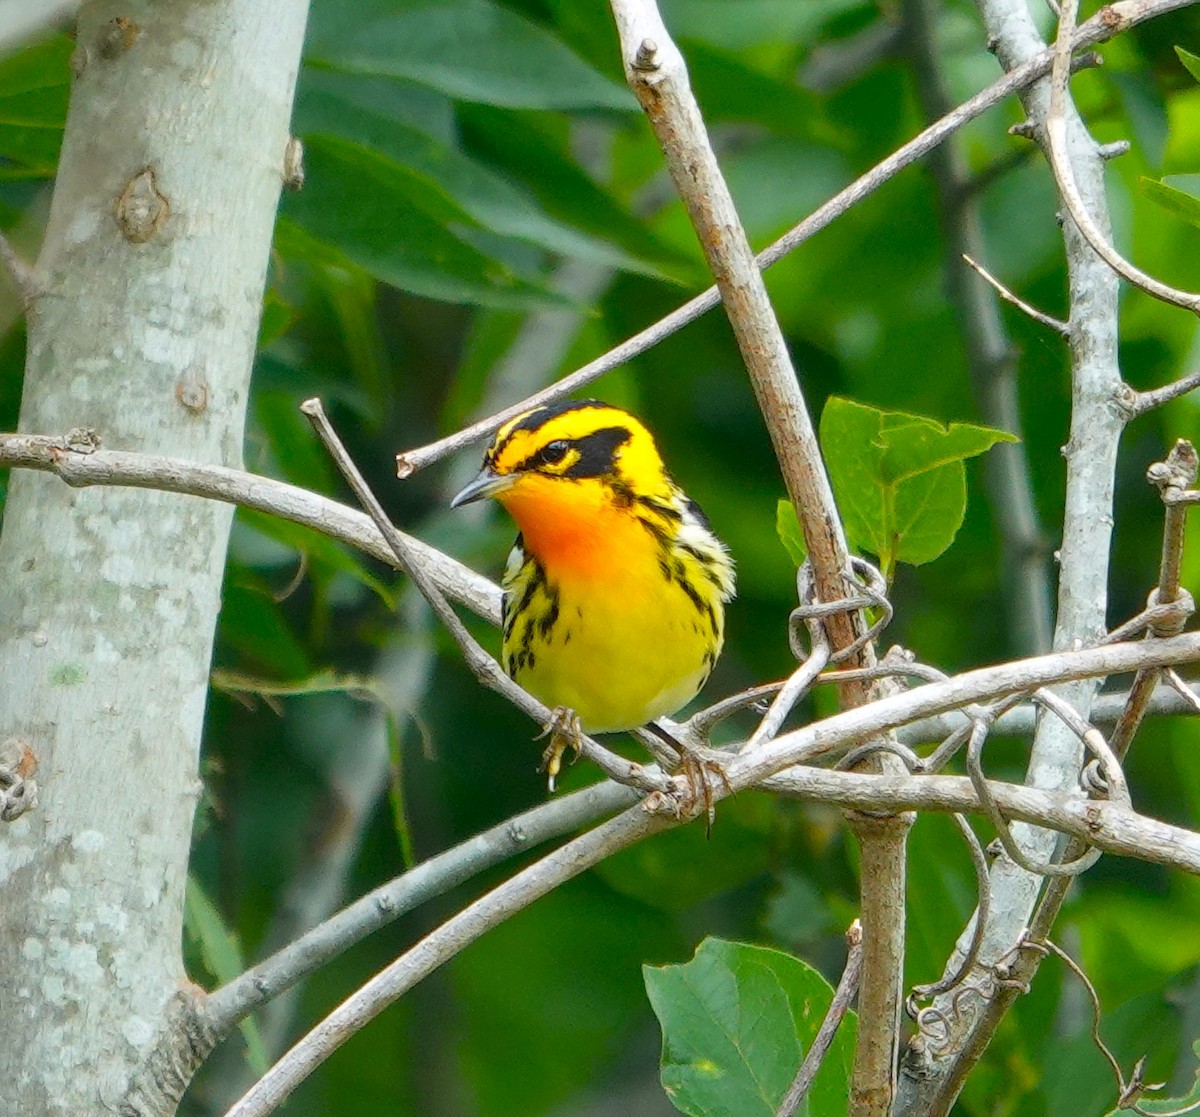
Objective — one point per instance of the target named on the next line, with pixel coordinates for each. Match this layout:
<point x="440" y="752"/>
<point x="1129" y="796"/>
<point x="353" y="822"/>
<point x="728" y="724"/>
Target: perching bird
<point x="615" y="590"/>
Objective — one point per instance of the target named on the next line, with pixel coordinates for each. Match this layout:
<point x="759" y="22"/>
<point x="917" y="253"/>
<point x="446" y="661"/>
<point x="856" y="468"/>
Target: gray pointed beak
<point x="488" y="483"/>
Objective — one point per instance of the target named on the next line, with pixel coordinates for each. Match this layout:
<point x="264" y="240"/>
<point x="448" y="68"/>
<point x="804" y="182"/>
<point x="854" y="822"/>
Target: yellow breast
<point x="602" y="618"/>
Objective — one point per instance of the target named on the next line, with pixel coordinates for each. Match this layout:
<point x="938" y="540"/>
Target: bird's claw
<point x="564" y="732"/>
<point x="699" y="773"/>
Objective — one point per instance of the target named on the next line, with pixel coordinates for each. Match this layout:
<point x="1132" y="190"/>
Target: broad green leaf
<point x="739" y="23"/>
<point x="1191" y="62"/>
<point x="736" y="1022"/>
<point x="898" y="478"/>
<point x="491" y="200"/>
<point x="928" y="510"/>
<point x="914" y="445"/>
<point x="222" y="956"/>
<point x="787" y="524"/>
<point x="35" y="149"/>
<point x="1183" y="200"/>
<point x="253" y="625"/>
<point x="395" y="223"/>
<point x="34" y="87"/>
<point x="42" y="67"/>
<point x="728" y="89"/>
<point x="851" y="441"/>
<point x="476" y="51"/>
<point x="524" y="147"/>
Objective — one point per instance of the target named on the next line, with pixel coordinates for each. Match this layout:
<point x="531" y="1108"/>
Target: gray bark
<point x="150" y="277"/>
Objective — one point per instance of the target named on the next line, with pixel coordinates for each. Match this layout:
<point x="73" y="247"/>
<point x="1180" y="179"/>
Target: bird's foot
<point x="699" y="773"/>
<point x="564" y="732"/>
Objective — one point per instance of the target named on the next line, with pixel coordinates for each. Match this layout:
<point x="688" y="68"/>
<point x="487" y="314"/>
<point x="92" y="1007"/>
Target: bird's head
<point x="568" y="457"/>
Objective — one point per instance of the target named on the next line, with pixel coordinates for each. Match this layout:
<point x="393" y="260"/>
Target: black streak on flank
<point x="659" y="508"/>
<point x="548" y="619"/>
<point x="698" y="513"/>
<point x="660" y="537"/>
<point x="702" y="606"/>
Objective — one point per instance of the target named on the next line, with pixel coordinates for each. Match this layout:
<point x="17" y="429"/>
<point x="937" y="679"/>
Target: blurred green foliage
<point x="484" y="211"/>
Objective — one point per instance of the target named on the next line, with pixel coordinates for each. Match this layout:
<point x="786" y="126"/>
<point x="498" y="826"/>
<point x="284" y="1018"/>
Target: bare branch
<point x="841" y="730"/>
<point x="843" y="995"/>
<point x="1108" y="826"/>
<point x="1056" y="324"/>
<point x="436" y="948"/>
<point x="1174" y="478"/>
<point x="1156" y="397"/>
<point x="1064" y="173"/>
<point x="1110" y="21"/>
<point x="655" y="71"/>
<point x="223" y="1008"/>
<point x="658" y="77"/>
<point x="990" y="354"/>
<point x="78" y="463"/>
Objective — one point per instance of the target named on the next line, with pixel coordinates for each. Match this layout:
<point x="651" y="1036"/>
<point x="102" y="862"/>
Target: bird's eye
<point x="553" y="452"/>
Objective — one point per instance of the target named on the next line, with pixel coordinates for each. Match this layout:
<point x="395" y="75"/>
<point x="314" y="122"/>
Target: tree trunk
<point x="151" y="278"/>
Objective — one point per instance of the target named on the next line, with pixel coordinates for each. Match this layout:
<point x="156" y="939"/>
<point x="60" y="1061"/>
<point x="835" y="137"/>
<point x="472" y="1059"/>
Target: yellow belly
<point x="622" y="651"/>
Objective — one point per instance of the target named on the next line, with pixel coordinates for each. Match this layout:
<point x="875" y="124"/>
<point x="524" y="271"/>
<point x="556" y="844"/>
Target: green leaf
<point x="899" y="479"/>
<point x="327" y="103"/>
<point x="253" y="624"/>
<point x="523" y="147"/>
<point x="221" y="954"/>
<point x="928" y="511"/>
<point x="476" y="51"/>
<point x="394" y="223"/>
<point x="1191" y="62"/>
<point x="736" y="1023"/>
<point x="851" y="441"/>
<point x="41" y="67"/>
<point x="728" y="89"/>
<point x="731" y="24"/>
<point x="790" y="535"/>
<point x="1182" y="200"/>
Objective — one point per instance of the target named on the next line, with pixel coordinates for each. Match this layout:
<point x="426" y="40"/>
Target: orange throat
<point x="574" y="529"/>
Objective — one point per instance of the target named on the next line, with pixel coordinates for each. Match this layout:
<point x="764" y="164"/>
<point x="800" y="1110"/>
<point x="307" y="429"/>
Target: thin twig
<point x="1056" y="324"/>
<point x="482" y="665"/>
<point x="1157" y="397"/>
<point x="438" y="947"/>
<point x="655" y="71"/>
<point x="1182" y="689"/>
<point x="991" y="356"/>
<point x="1111" y="21"/>
<point x="1064" y="174"/>
<point x="843" y="996"/>
<point x="1173" y="478"/>
<point x="226" y="1006"/>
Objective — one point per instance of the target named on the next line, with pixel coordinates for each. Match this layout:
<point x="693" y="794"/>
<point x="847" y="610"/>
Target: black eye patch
<point x="598" y="452"/>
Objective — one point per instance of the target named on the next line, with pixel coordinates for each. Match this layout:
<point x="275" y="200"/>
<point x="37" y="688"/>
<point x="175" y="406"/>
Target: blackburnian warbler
<point x="615" y="591"/>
